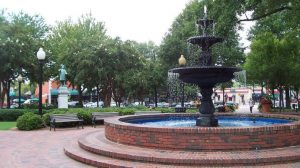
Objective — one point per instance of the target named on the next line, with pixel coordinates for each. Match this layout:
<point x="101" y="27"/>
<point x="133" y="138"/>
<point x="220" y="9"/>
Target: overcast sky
<point x="140" y="20"/>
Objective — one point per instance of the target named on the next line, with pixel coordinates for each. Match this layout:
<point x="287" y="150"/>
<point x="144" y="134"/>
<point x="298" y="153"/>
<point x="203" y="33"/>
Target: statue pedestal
<point x="62" y="99"/>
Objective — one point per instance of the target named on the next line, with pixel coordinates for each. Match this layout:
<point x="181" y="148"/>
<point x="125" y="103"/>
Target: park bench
<point x="64" y="118"/>
<point x="99" y="116"/>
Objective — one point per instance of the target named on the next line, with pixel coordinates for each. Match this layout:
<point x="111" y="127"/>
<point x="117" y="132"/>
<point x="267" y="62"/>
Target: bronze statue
<point x="62" y="75"/>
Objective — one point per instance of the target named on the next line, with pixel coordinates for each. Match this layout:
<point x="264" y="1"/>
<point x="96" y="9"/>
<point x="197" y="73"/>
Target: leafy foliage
<point x="29" y="121"/>
<point x="12" y="114"/>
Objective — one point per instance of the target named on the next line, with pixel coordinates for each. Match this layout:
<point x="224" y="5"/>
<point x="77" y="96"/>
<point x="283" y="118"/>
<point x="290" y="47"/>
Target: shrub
<point x="29" y="121"/>
<point x="86" y="116"/>
<point x="126" y="111"/>
<point x="230" y="108"/>
<point x="12" y="114"/>
<point x="166" y="110"/>
<point x="192" y="110"/>
<point x="226" y="108"/>
<point x="46" y="118"/>
<point x="140" y="107"/>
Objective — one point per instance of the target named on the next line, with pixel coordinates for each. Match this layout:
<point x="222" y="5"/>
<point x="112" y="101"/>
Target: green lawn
<point x="7" y="125"/>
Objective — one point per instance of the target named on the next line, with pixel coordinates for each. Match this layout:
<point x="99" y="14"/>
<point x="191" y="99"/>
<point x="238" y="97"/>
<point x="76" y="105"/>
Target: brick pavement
<point x="39" y="149"/>
<point x="44" y="149"/>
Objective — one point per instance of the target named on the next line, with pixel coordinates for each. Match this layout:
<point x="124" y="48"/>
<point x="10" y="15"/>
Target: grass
<point x="7" y="125"/>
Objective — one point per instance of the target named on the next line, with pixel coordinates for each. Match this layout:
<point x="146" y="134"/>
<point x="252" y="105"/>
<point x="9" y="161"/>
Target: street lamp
<point x="41" y="56"/>
<point x="20" y="79"/>
<point x="182" y="62"/>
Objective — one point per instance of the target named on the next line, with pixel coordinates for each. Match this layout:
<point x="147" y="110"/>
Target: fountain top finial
<point x="205" y="11"/>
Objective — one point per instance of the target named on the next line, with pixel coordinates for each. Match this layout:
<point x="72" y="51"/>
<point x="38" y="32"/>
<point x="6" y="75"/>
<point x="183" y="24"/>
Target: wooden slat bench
<point x="99" y="116"/>
<point x="63" y="118"/>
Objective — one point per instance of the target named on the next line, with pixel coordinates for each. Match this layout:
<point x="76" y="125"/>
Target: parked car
<point x="17" y="101"/>
<point x="31" y="101"/>
<point x="73" y="103"/>
<point x="93" y="104"/>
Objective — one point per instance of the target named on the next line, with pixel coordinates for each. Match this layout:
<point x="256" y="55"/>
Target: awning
<point x="72" y="92"/>
<point x="54" y="92"/>
<point x="12" y="93"/>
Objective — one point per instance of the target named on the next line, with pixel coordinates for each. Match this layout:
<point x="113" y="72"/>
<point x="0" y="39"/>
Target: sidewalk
<point x="44" y="149"/>
<point x="39" y="149"/>
<point x="246" y="109"/>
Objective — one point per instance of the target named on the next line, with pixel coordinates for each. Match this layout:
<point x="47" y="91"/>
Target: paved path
<point x="44" y="149"/>
<point x="246" y="108"/>
<point x="39" y="149"/>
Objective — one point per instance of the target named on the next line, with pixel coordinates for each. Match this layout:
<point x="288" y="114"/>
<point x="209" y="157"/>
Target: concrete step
<point x="75" y="152"/>
<point x="96" y="142"/>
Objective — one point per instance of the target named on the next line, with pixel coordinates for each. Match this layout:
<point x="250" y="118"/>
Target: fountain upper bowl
<point x="209" y="40"/>
<point x="205" y="75"/>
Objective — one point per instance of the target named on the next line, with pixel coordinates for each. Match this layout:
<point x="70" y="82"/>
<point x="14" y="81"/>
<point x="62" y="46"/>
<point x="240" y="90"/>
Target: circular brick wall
<point x="203" y="138"/>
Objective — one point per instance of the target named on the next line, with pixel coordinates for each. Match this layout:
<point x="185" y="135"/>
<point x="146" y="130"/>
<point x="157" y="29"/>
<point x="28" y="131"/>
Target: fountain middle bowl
<point x="204" y="138"/>
<point x="205" y="75"/>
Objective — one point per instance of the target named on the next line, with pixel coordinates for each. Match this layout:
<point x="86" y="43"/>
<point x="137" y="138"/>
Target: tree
<point x="174" y="43"/>
<point x="275" y="41"/>
<point x="21" y="37"/>
<point x="76" y="45"/>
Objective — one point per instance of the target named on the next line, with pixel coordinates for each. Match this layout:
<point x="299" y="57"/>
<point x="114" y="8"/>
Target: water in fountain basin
<point x="224" y="121"/>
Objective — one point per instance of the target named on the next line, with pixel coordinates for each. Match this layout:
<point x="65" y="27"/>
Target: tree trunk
<point x="155" y="95"/>
<point x="1" y="93"/>
<point x="297" y="94"/>
<point x="8" y="96"/>
<point x="223" y="89"/>
<point x="4" y="92"/>
<point x="80" y="96"/>
<point x="106" y="92"/>
<point x="97" y="95"/>
<point x="280" y="98"/>
<point x="273" y="95"/>
<point x="287" y="98"/>
<point x="262" y="88"/>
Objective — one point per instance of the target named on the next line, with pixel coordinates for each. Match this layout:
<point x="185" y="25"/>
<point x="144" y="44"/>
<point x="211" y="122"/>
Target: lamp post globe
<point x="182" y="60"/>
<point x="41" y="55"/>
<point x="20" y="79"/>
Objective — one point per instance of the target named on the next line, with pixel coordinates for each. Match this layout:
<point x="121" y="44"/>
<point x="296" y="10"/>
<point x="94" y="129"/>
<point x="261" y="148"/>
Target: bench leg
<point x="51" y="126"/>
<point x="94" y="124"/>
<point x="80" y="124"/>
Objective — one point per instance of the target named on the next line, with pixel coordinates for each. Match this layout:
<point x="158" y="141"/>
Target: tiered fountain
<point x="205" y="75"/>
<point x="127" y="142"/>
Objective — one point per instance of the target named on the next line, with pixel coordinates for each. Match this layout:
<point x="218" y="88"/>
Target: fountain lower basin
<point x="203" y="138"/>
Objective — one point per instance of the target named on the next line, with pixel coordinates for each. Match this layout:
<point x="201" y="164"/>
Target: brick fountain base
<point x="130" y="145"/>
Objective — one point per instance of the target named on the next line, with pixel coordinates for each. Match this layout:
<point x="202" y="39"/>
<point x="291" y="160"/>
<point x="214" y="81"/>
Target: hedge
<point x="13" y="114"/>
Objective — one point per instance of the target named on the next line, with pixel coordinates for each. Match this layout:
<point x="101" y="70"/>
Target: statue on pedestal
<point x="62" y="75"/>
<point x="63" y="91"/>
